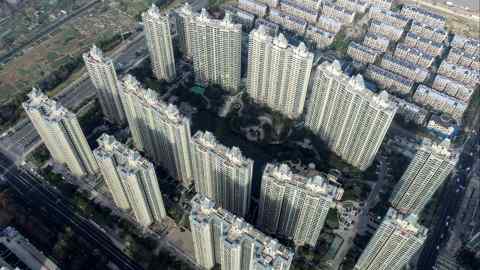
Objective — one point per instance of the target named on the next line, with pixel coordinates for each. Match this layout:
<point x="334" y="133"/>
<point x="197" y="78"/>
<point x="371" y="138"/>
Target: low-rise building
<point x="391" y="17"/>
<point x="426" y="45"/>
<point x="427" y="31"/>
<point x="337" y="12"/>
<point x="423" y="15"/>
<point x="414" y="55"/>
<point x="329" y="24"/>
<point x="254" y="7"/>
<point x="442" y="126"/>
<point x="390" y="31"/>
<point x="321" y="38"/>
<point x="461" y="57"/>
<point x="386" y="79"/>
<point x="440" y="102"/>
<point x="358" y="6"/>
<point x="404" y="68"/>
<point x="289" y="22"/>
<point x="410" y="112"/>
<point x="246" y="19"/>
<point x="453" y="88"/>
<point x="313" y="4"/>
<point x="28" y="254"/>
<point x="270" y="3"/>
<point x="298" y="10"/>
<point x="362" y="54"/>
<point x="470" y="45"/>
<point x="385" y="4"/>
<point x="467" y="76"/>
<point x="272" y="28"/>
<point x="376" y="41"/>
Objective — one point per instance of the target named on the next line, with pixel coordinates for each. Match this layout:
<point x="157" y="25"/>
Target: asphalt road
<point x="451" y="201"/>
<point x="59" y="209"/>
<point x="24" y="138"/>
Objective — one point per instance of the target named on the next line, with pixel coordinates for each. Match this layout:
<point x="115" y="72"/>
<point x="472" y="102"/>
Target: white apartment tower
<point x="350" y="118"/>
<point x="183" y="20"/>
<point x="158" y="129"/>
<point x="431" y="165"/>
<point x="131" y="180"/>
<point x="216" y="50"/>
<point x="104" y="77"/>
<point x="295" y="206"/>
<point x="159" y="42"/>
<point x="394" y="243"/>
<point x="278" y="73"/>
<point x="219" y="237"/>
<point x="222" y="174"/>
<point x="61" y="133"/>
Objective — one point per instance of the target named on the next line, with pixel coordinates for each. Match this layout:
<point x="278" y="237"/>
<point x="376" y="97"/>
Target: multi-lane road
<point x="450" y="201"/>
<point x="23" y="138"/>
<point x="41" y="196"/>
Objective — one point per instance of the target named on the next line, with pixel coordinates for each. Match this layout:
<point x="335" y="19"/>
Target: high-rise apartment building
<point x="183" y="20"/>
<point x="159" y="42"/>
<point x="431" y="165"/>
<point x="219" y="237"/>
<point x="350" y="118"/>
<point x="216" y="50"/>
<point x="61" y="133"/>
<point x="223" y="174"/>
<point x="295" y="206"/>
<point x="158" y="129"/>
<point x="104" y="77"/>
<point x="131" y="180"/>
<point x="278" y="73"/>
<point x="394" y="243"/>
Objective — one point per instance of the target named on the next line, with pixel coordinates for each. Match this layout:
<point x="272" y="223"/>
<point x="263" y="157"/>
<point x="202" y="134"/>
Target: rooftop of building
<point x="356" y="84"/>
<point x="424" y="11"/>
<point x="299" y="6"/>
<point x="49" y="109"/>
<point x="407" y="224"/>
<point x="150" y="98"/>
<point x="443" y="149"/>
<point x="154" y="13"/>
<point x="207" y="141"/>
<point x="318" y="185"/>
<point x="268" y="251"/>
<point x="425" y="90"/>
<point x="280" y="41"/>
<point x="128" y="161"/>
<point x="225" y="23"/>
<point x="391" y="75"/>
<point x="95" y="54"/>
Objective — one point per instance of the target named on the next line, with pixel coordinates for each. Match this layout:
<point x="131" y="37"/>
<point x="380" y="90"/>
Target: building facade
<point x="216" y="50"/>
<point x="439" y="101"/>
<point x="158" y="129"/>
<point x="350" y="118"/>
<point x="295" y="206"/>
<point x="278" y="73"/>
<point x="61" y="133"/>
<point x="159" y="43"/>
<point x="131" y="180"/>
<point x="219" y="237"/>
<point x="183" y="21"/>
<point x="222" y="174"/>
<point x="104" y="77"/>
<point x="362" y="54"/>
<point x="395" y="242"/>
<point x="431" y="165"/>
